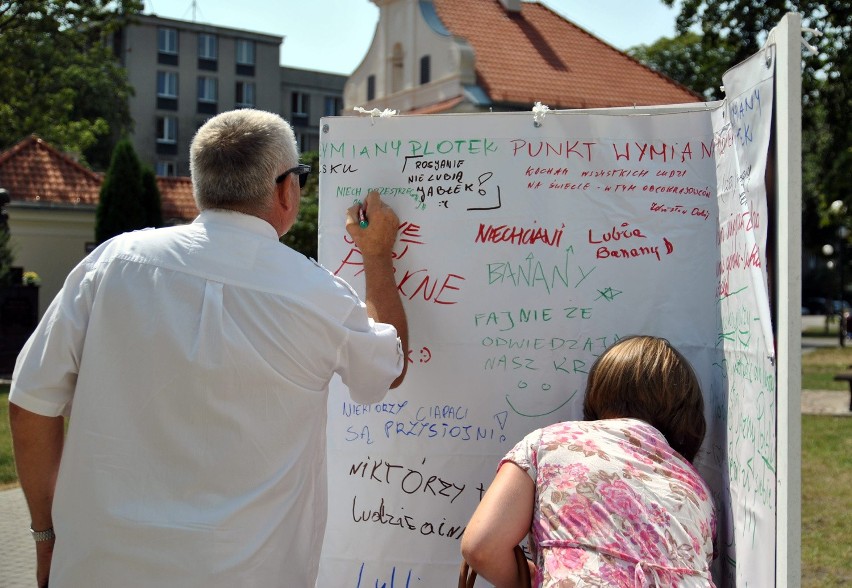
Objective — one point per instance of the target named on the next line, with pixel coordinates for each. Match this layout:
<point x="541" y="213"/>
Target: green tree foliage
<point x="687" y="61"/>
<point x="826" y="76"/>
<point x="826" y="85"/>
<point x="59" y="77"/>
<point x="152" y="202"/>
<point x="303" y="235"/>
<point x="120" y="204"/>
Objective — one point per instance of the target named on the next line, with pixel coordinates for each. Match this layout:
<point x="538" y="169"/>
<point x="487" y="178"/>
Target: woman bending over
<point x="613" y="500"/>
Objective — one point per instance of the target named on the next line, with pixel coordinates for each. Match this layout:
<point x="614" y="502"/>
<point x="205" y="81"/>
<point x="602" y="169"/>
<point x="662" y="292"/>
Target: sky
<point x="334" y="35"/>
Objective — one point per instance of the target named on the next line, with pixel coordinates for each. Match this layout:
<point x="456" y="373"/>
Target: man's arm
<point x="37" y="442"/>
<point x="376" y="241"/>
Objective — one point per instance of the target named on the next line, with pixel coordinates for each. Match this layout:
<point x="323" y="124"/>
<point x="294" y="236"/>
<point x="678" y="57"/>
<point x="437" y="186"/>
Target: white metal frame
<point x="788" y="296"/>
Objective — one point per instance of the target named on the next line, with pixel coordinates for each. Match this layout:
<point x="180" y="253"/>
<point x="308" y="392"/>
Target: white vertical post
<point x="788" y="284"/>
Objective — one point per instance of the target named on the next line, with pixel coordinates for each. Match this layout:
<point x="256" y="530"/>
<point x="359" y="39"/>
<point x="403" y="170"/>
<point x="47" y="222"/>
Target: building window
<point x="371" y="87"/>
<point x="300" y="103"/>
<point x="245" y="94"/>
<point x="300" y="108"/>
<point x="245" y="57"/>
<point x="166" y="168"/>
<point x="167" y="89"/>
<point x="245" y="52"/>
<point x="207" y="95"/>
<point x="208" y="52"/>
<point x="303" y="141"/>
<point x="167" y="86"/>
<point x="167" y="40"/>
<point x="425" y="70"/>
<point x="333" y="106"/>
<point x="397" y="69"/>
<point x="207" y="47"/>
<point x="206" y="89"/>
<point x="167" y="129"/>
<point x="167" y="46"/>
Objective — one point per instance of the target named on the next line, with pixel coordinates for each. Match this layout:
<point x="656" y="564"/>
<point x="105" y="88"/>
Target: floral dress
<point x="615" y="505"/>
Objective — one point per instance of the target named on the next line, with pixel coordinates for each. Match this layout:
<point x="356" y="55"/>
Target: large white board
<point x="524" y="251"/>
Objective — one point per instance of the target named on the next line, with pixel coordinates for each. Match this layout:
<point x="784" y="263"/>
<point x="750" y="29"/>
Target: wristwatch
<point x="45" y="535"/>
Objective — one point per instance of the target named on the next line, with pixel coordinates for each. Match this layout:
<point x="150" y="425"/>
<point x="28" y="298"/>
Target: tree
<point x="59" y="77"/>
<point x="151" y="200"/>
<point x="687" y="61"/>
<point x="303" y="235"/>
<point x="120" y="203"/>
<point x="743" y="25"/>
<point x="714" y="35"/>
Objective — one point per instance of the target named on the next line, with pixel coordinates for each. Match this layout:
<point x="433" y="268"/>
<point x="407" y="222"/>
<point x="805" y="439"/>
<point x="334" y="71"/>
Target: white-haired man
<point x="197" y="359"/>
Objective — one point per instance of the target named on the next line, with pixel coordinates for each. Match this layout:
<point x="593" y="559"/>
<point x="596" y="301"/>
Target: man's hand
<point x="44" y="555"/>
<point x="376" y="241"/>
<point x="378" y="238"/>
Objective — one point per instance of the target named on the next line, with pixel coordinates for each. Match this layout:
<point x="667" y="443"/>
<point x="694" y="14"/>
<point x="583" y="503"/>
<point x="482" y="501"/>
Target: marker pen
<point x="362" y="217"/>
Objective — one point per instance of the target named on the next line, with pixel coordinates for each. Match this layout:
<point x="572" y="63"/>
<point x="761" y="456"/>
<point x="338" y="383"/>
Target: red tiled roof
<point x="34" y="171"/>
<point x="536" y="55"/>
<point x="442" y="106"/>
<point x="176" y="198"/>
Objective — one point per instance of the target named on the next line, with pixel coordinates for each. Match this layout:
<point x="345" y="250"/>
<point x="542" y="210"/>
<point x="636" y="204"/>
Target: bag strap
<point x="467" y="575"/>
<point x="523" y="566"/>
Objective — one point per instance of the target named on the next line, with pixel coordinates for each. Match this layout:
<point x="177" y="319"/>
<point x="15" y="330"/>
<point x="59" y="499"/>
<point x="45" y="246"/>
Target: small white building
<point x="432" y="56"/>
<point x="52" y="210"/>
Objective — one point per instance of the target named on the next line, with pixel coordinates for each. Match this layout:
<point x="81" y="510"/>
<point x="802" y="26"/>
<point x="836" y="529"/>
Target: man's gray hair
<point x="236" y="156"/>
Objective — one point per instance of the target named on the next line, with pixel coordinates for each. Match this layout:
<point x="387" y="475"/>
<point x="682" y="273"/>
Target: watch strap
<point x="45" y="535"/>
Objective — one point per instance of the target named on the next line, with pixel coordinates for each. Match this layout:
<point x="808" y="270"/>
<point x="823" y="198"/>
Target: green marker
<point x="362" y="217"/>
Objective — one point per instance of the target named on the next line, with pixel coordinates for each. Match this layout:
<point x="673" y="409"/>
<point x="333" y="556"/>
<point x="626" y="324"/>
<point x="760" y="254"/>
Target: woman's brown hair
<point x="646" y="378"/>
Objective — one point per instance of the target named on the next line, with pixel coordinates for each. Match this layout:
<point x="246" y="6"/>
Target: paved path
<point x="17" y="554"/>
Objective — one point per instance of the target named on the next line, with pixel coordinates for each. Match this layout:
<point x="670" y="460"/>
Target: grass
<point x="826" y="477"/>
<point x="826" y="501"/>
<point x="820" y="365"/>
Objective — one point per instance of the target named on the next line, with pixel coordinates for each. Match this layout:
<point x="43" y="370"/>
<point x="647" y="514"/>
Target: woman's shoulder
<point x="606" y="435"/>
<point x="574" y="432"/>
<point x="595" y="427"/>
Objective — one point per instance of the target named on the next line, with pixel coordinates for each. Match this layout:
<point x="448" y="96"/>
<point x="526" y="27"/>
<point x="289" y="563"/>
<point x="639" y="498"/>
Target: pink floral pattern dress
<point x="615" y="505"/>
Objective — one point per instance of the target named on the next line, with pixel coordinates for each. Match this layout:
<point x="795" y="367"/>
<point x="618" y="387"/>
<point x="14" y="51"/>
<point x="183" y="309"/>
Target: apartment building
<point x="183" y="73"/>
<point x="306" y="97"/>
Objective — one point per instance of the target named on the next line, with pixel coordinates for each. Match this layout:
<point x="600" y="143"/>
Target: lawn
<point x="826" y="501"/>
<point x="820" y="365"/>
<point x="826" y="480"/>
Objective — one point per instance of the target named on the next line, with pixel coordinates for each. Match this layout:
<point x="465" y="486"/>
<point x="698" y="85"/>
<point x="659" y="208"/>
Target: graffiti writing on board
<point x="384" y="579"/>
<point x="389" y="420"/>
<point x="448" y="173"/>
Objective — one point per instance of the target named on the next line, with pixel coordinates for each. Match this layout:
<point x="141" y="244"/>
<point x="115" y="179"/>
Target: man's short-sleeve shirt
<point x="197" y="361"/>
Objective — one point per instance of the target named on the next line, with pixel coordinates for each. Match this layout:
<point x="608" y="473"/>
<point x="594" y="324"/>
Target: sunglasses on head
<point x="302" y="169"/>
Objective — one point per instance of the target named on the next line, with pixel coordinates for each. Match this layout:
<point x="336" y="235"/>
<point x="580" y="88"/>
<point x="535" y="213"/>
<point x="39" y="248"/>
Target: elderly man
<point x="194" y="365"/>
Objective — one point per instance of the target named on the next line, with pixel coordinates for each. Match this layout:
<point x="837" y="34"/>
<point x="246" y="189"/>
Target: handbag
<point x="467" y="575"/>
